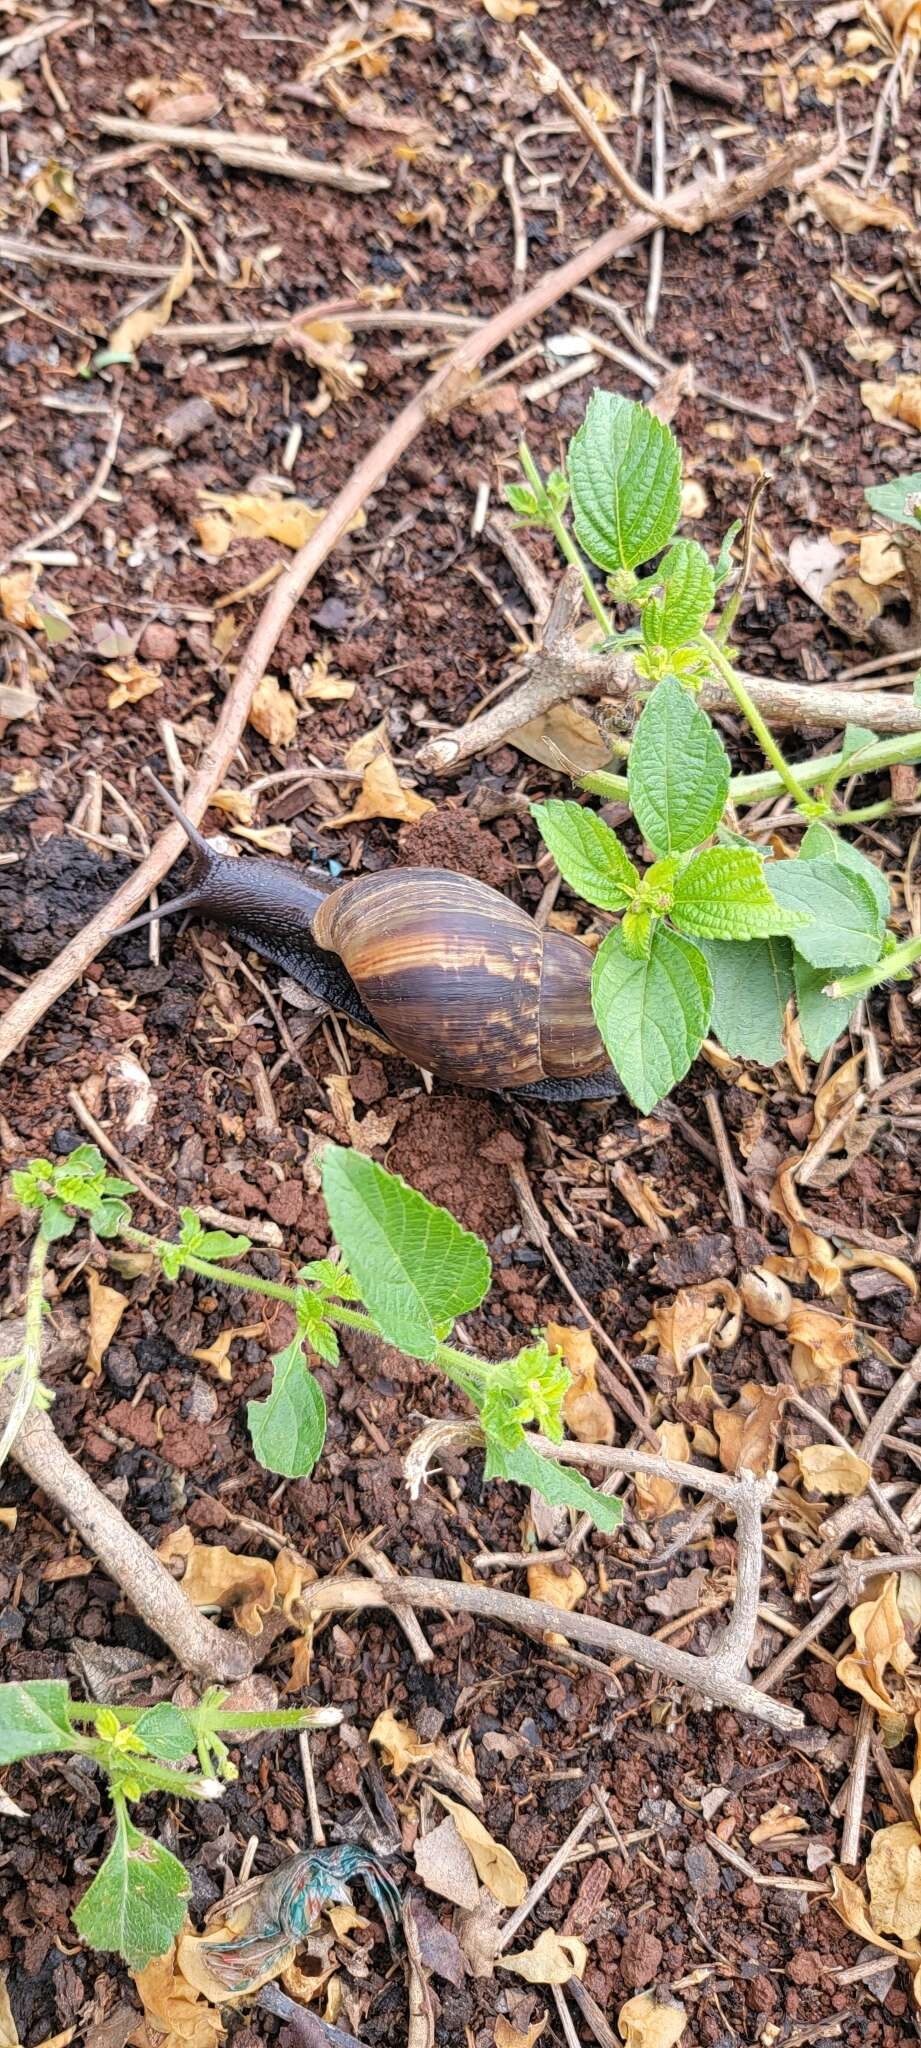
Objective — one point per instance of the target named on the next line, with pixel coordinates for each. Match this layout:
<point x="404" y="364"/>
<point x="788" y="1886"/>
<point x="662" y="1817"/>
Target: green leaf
<point x="313" y="1326"/>
<point x="35" y="1719"/>
<point x="136" y="1903"/>
<point x="108" y="1216"/>
<point x="845" y="923"/>
<point x="677" y="773"/>
<point x="688" y="590"/>
<point x="653" y="1013"/>
<point x="416" y="1268"/>
<point x="330" y="1279"/>
<point x="559" y="1484"/>
<point x="531" y="1387"/>
<point x="752" y="985"/>
<point x="588" y="854"/>
<point x="55" y="1221"/>
<point x="820" y="843"/>
<point x="523" y="502"/>
<point x="724" y="562"/>
<point x="29" y="1185"/>
<point x="899" y="500"/>
<point x="822" y="1018"/>
<point x="288" y="1429"/>
<point x="625" y="477"/>
<point x="722" y="894"/>
<point x="166" y="1732"/>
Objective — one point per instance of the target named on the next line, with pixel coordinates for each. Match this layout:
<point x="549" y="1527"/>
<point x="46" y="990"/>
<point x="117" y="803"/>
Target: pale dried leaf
<point x="495" y="1865"/>
<point x="383" y="795"/>
<point x="902" y="18"/>
<point x="880" y="1643"/>
<point x="133" y="681"/>
<point x="175" y="2014"/>
<point x="9" y="2035"/>
<point x="405" y="1751"/>
<point x="851" y="212"/>
<point x="831" y="1469"/>
<point x="767" y="1299"/>
<point x="588" y="1416"/>
<point x="446" y="1867"/>
<point x="688" y="1324"/>
<point x="558" y="1589"/>
<point x="564" y="737"/>
<point x="660" y="1496"/>
<point x="823" y="1345"/>
<point x="291" y="521"/>
<point x="839" y="1089"/>
<point x="510" y="10"/>
<point x="649" y="2022"/>
<point x="898" y="402"/>
<point x="779" y="1821"/>
<point x="217" y="1577"/>
<point x="851" y="1907"/>
<point x="748" y="1431"/>
<point x="507" y="2036"/>
<point x="54" y="191"/>
<point x="137" y="327"/>
<point x="107" y="1307"/>
<point x="217" y="1355"/>
<point x="880" y="558"/>
<point x="16" y="597"/>
<point x="553" y="1959"/>
<point x="273" y="712"/>
<point x="893" y="1875"/>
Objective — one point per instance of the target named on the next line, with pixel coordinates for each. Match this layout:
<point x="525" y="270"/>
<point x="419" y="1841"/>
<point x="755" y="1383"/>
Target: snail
<point x="455" y="976"/>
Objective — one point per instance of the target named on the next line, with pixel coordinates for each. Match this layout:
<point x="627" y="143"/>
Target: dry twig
<point x="245" y="152"/>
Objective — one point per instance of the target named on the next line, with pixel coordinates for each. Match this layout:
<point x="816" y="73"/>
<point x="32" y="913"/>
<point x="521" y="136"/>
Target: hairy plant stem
<point x="762" y="732"/>
<point x="744" y="790"/>
<point x="563" y="537"/>
<point x="30" y="1357"/>
<point x="883" y="970"/>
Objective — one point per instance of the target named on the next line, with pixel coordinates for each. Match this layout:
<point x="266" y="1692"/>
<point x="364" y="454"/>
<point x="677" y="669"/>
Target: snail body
<point x="456" y="977"/>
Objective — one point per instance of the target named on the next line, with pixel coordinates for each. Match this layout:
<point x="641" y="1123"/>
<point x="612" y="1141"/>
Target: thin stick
<point x="592" y="2014"/>
<point x="696" y="77"/>
<point x="22" y="249"/>
<point x="565" y="2017"/>
<point x="856" y="1788"/>
<point x="792" y="1652"/>
<point x="244" y="152"/>
<point x="316" y="1825"/>
<point x="519" y="227"/>
<point x="386" y="1574"/>
<point x="208" y="1652"/>
<point x="80" y="505"/>
<point x="734" y="1200"/>
<point x="657" y="243"/>
<point x="86" y="1118"/>
<point x="541" y="1884"/>
<point x="444" y="389"/>
<point x="551" y="79"/>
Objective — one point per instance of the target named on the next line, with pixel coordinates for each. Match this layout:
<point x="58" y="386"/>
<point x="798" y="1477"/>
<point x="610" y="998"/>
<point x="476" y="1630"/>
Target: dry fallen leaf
<point x="840" y="1088"/>
<point x="9" y="2036"/>
<point x="446" y="1866"/>
<point x="779" y="1822"/>
<point x="175" y="2014"/>
<point x="273" y="712"/>
<point x="291" y="521"/>
<point x="327" y="346"/>
<point x="898" y="403"/>
<point x="214" y="534"/>
<point x="217" y="1577"/>
<point x="850" y="212"/>
<point x="588" y="1416"/>
<point x="748" y="1431"/>
<point x="880" y="1642"/>
<point x="553" y="1959"/>
<point x="766" y="1298"/>
<point x="495" y="1865"/>
<point x="405" y="1751"/>
<point x="16" y="597"/>
<point x="693" y="1320"/>
<point x="562" y="737"/>
<point x="133" y="680"/>
<point x="558" y="1589"/>
<point x="509" y="10"/>
<point x="137" y="327"/>
<point x="54" y="191"/>
<point x="902" y="18"/>
<point x="383" y="795"/>
<point x="649" y="2022"/>
<point x="660" y="1496"/>
<point x="319" y="681"/>
<point x="830" y="1469"/>
<point x="880" y="558"/>
<point x="507" y="2036"/>
<point x="217" y="1355"/>
<point x="893" y="1875"/>
<point x="823" y="1345"/>
<point x="107" y="1307"/>
<point x="851" y="1907"/>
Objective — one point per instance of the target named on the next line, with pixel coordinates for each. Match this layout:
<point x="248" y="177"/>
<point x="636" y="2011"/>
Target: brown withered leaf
<point x="650" y="2022"/>
<point x="217" y="1577"/>
<point x="748" y="1431"/>
<point x="779" y="1821"/>
<point x="54" y="191"/>
<point x="291" y="521"/>
<point x="893" y="1876"/>
<point x="832" y="1469"/>
<point x="881" y="559"/>
<point x="807" y="1244"/>
<point x="851" y="212"/>
<point x="327" y="345"/>
<point x="564" y="736"/>
<point x="107" y="1307"/>
<point x="273" y="712"/>
<point x="16" y="592"/>
<point x="405" y="1751"/>
<point x="822" y="1345"/>
<point x="657" y="1496"/>
<point x="695" y="1319"/>
<point x="495" y="1865"/>
<point x="553" y="1959"/>
<point x="383" y="795"/>
<point x="9" y="2034"/>
<point x="137" y="327"/>
<point x="446" y="1867"/>
<point x="588" y="1416"/>
<point x="133" y="681"/>
<point x="217" y="1355"/>
<point x="880" y="1644"/>
<point x="175" y="2013"/>
<point x="839" y="1089"/>
<point x="563" y="1590"/>
<point x="507" y="2036"/>
<point x="851" y="1907"/>
<point x="898" y="403"/>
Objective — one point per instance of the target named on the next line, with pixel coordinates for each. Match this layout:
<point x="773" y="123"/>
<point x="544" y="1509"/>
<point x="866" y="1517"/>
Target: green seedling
<point x="405" y="1272"/>
<point x="136" y="1903"/>
<point x="713" y="935"/>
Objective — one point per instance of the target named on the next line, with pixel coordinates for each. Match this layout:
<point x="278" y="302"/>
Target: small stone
<point x="805" y="1967"/>
<point x="640" y="1957"/>
<point x="158" y="642"/>
<point x="703" y="1870"/>
<point x="286" y="1203"/>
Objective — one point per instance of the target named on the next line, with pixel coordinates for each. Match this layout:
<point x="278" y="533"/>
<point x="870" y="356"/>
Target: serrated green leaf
<point x="330" y="1278"/>
<point x="288" y="1428"/>
<point x="523" y="502"/>
<point x="624" y="470"/>
<point x="30" y="1182"/>
<point x="724" y="562"/>
<point x="314" y="1327"/>
<point x="166" y="1732"/>
<point x="677" y="773"/>
<point x="219" y="1244"/>
<point x="722" y="894"/>
<point x="136" y="1903"/>
<point x="588" y="854"/>
<point x="899" y="500"/>
<point x="845" y="922"/>
<point x="55" y="1221"/>
<point x="686" y="599"/>
<point x="652" y="1014"/>
<point x="35" y="1719"/>
<point x="559" y="1484"/>
<point x="108" y="1216"/>
<point x="636" y="929"/>
<point x="416" y="1268"/>
<point x="821" y="843"/>
<point x="822" y="1018"/>
<point x="752" y="985"/>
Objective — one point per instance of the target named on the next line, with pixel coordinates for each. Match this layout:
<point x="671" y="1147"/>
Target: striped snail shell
<point x="461" y="981"/>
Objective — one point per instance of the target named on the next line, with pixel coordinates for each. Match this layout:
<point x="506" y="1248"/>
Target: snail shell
<point x="461" y="980"/>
